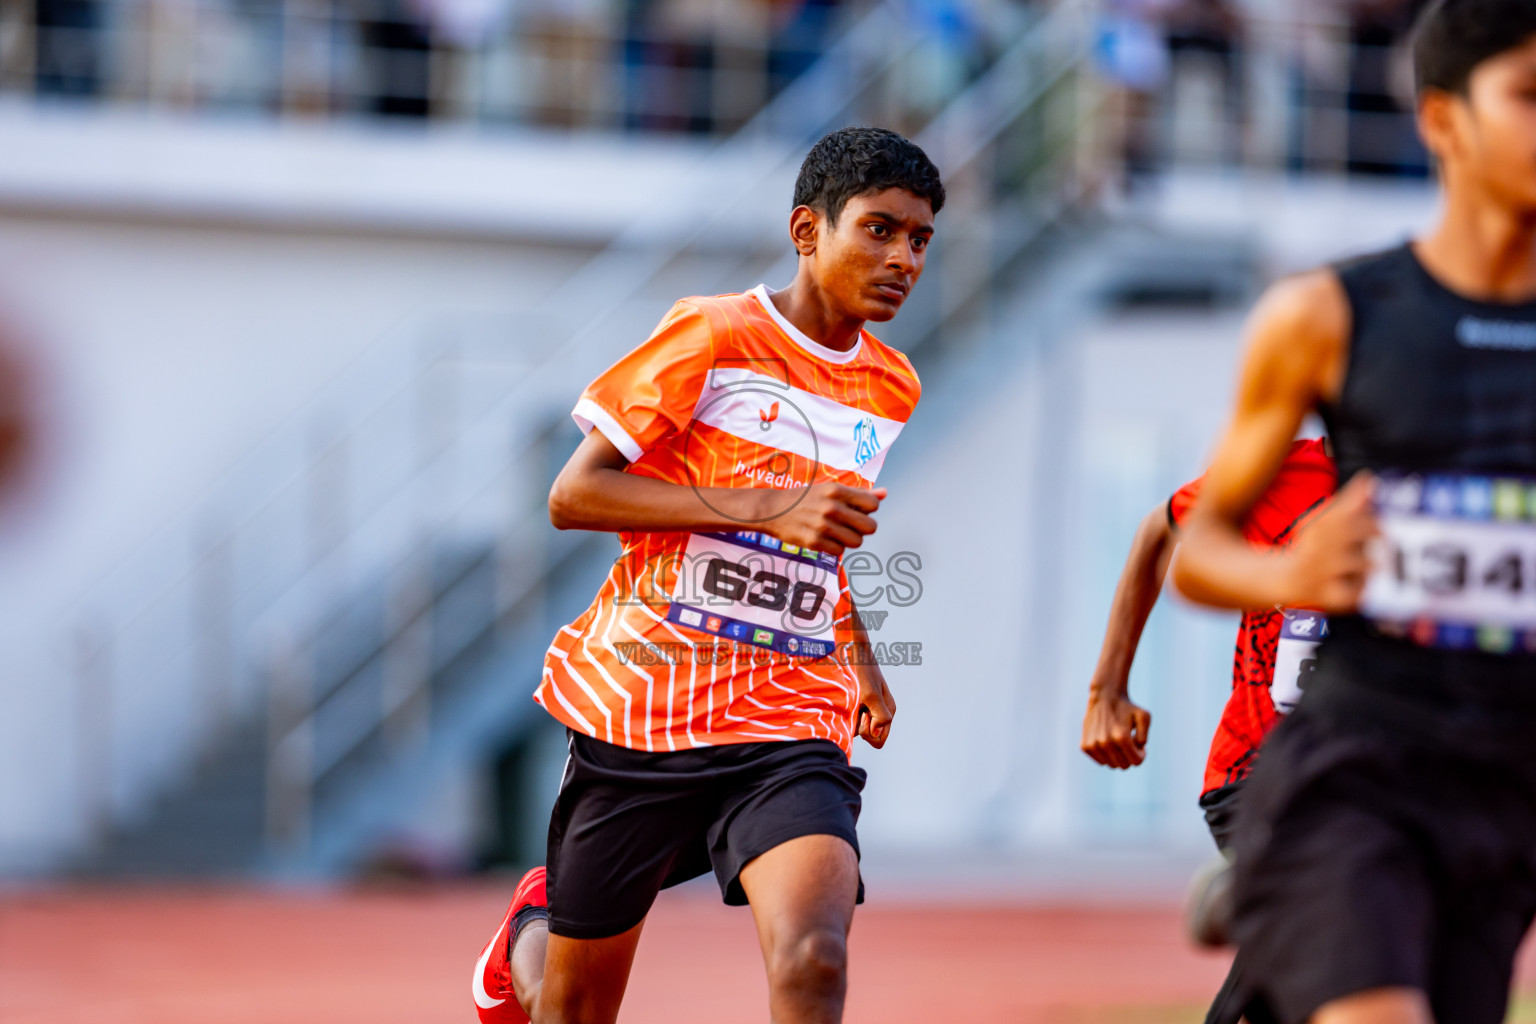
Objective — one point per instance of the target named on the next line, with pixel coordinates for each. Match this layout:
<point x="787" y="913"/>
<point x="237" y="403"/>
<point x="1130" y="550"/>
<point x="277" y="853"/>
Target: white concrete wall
<point x="1022" y="516"/>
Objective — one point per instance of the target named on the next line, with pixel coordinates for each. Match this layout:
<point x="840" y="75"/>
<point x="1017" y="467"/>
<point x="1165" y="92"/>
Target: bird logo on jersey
<point x="766" y="418"/>
<point x="865" y="444"/>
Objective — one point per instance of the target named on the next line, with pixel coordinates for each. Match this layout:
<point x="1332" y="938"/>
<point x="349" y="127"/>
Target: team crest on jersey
<point x="865" y="444"/>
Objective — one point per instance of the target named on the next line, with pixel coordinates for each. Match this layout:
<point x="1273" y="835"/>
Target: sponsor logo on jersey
<point x="767" y="416"/>
<point x="713" y="624"/>
<point x="762" y="636"/>
<point x="689" y="617"/>
<point x="763" y="474"/>
<point x="865" y="444"/>
<point x="1475" y="332"/>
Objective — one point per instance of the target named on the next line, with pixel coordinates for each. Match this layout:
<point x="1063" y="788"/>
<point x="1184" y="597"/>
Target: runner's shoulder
<point x="1299" y="335"/>
<point x="903" y="378"/>
<point x="722" y="316"/>
<point x="1310" y="307"/>
<point x="707" y="311"/>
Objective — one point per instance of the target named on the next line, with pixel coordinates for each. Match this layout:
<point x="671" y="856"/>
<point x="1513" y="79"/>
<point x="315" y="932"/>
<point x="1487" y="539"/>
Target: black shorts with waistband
<point x="628" y="823"/>
<point x="1366" y="859"/>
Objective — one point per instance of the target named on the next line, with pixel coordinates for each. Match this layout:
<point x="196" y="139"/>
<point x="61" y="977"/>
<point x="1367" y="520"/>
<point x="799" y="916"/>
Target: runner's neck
<point x="1482" y="252"/>
<point x="806" y="306"/>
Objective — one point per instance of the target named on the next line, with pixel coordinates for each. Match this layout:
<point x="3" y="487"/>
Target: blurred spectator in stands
<point x="1382" y="135"/>
<point x="70" y="40"/>
<point x="470" y="24"/>
<point x="952" y="52"/>
<point x="802" y="30"/>
<point x="396" y="58"/>
<point x="1132" y="56"/>
<point x="570" y="43"/>
<point x="1206" y="78"/>
<point x="658" y="69"/>
<point x="673" y="53"/>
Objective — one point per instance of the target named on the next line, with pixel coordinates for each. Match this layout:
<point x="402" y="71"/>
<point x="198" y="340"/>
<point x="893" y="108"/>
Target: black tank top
<point x="1435" y="382"/>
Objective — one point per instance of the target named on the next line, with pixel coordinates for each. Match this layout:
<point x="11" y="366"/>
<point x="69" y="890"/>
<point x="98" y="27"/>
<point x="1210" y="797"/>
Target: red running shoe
<point x="492" y="983"/>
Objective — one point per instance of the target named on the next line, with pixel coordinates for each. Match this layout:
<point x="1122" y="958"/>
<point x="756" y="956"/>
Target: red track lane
<point x="254" y="957"/>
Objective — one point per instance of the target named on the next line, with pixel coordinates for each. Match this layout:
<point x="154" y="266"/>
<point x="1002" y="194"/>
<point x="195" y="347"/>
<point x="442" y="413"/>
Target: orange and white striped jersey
<point x="729" y="637"/>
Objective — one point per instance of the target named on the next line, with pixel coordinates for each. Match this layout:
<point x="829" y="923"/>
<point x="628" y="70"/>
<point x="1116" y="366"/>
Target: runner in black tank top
<point x="1440" y="390"/>
<point x="1386" y="854"/>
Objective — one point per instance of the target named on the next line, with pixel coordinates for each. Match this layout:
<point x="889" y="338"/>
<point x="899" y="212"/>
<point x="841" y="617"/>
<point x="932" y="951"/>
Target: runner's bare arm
<point x="593" y="492"/>
<point x="877" y="707"/>
<point x="1297" y="348"/>
<point x="1114" y="728"/>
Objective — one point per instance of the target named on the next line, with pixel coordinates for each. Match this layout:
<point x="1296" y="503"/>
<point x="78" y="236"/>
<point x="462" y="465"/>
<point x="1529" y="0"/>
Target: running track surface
<point x="405" y="957"/>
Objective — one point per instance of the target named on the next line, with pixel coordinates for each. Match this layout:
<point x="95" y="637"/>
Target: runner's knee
<point x="815" y="962"/>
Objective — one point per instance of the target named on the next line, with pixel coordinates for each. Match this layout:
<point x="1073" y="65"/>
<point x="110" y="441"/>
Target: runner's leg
<point x="561" y="980"/>
<point x="802" y="894"/>
<point x="1379" y="1006"/>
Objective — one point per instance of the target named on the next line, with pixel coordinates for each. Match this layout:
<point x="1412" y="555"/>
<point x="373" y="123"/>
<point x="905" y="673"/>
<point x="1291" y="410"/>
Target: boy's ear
<point x="804" y="225"/>
<point x="1437" y="122"/>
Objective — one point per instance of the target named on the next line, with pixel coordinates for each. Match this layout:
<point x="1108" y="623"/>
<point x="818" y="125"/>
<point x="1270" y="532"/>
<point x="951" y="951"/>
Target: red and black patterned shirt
<point x="1305" y="480"/>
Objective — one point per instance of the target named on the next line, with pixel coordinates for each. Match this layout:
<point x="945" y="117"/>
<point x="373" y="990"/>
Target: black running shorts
<point x="1220" y="807"/>
<point x="628" y="824"/>
<point x="1368" y="861"/>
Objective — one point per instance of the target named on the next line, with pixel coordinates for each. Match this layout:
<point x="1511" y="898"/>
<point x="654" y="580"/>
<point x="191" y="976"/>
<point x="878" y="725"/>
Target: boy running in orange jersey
<point x="707" y="691"/>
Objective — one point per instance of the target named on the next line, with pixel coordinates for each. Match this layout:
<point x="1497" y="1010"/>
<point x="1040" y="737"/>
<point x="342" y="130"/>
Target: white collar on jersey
<point x="815" y="348"/>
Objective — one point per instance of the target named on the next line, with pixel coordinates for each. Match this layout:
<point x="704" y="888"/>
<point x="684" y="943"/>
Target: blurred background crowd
<point x="698" y="66"/>
<point x="295" y="297"/>
<point x="1219" y="68"/>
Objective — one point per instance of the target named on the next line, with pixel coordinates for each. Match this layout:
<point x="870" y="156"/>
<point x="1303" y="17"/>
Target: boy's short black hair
<point x="852" y="161"/>
<point x="1454" y="36"/>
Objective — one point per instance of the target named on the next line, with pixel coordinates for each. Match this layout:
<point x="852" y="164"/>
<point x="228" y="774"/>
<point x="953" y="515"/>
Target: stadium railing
<point x="1297" y="89"/>
<point x="478" y="63"/>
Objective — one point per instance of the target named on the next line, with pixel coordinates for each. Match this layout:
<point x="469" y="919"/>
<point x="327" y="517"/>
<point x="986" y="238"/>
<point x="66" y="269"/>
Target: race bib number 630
<point x="749" y="587"/>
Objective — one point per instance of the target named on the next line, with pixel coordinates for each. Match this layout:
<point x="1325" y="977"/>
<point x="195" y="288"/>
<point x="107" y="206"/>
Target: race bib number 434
<point x="1455" y="565"/>
<point x="750" y="588"/>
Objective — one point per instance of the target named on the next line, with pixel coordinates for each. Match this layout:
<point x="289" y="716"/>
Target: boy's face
<point x="1489" y="135"/>
<point x="867" y="263"/>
